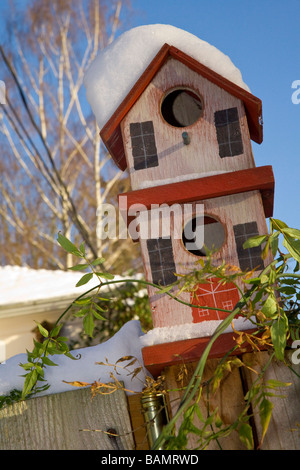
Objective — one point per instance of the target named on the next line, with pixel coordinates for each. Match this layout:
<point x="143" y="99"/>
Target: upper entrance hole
<point x="181" y="107"/>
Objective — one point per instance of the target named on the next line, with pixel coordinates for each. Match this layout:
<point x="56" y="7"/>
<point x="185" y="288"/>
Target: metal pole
<point x="155" y="414"/>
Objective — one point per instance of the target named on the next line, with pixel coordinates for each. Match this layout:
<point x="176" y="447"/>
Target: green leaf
<point x="98" y="261"/>
<point x="99" y="308"/>
<point x="82" y="248"/>
<point x="79" y="267"/>
<point x="67" y="245"/>
<point x="265" y="413"/>
<point x="85" y="279"/>
<point x="274" y="242"/>
<point x="62" y="338"/>
<point x="265" y="250"/>
<point x="292" y="232"/>
<point x="98" y="316"/>
<point x="27" y="365"/>
<point x="278" y="224"/>
<point x="278" y="336"/>
<point x="273" y="383"/>
<point x="85" y="301"/>
<point x="255" y="241"/>
<point x="81" y="313"/>
<point x="287" y="290"/>
<point x="55" y="330"/>
<point x="88" y="324"/>
<point x="293" y="247"/>
<point x="70" y="356"/>
<point x="48" y="361"/>
<point x="42" y="330"/>
<point x="246" y="435"/>
<point x="29" y="382"/>
<point x="106" y="275"/>
<point x="269" y="307"/>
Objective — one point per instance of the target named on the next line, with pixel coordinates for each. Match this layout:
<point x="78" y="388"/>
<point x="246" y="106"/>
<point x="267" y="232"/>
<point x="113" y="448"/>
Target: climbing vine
<point x="271" y="300"/>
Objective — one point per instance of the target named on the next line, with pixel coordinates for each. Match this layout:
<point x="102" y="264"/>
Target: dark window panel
<point x="249" y="258"/>
<point x="144" y="150"/>
<point x="135" y="129"/>
<point x="228" y="132"/>
<point x="139" y="163"/>
<point x="138" y="148"/>
<point x="147" y="127"/>
<point x="152" y="161"/>
<point x="161" y="261"/>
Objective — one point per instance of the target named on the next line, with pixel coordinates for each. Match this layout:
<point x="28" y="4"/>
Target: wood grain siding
<point x="252" y="104"/>
<point x="231" y="210"/>
<point x="175" y="159"/>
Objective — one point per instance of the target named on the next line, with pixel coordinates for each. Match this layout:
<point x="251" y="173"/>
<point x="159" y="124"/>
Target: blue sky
<point x="262" y="38"/>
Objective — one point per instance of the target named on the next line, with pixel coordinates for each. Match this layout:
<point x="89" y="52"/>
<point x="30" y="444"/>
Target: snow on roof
<point x="22" y="284"/>
<point x="117" y="68"/>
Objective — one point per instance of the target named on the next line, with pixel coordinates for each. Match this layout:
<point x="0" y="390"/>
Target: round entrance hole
<point x="181" y="107"/>
<point x="202" y="234"/>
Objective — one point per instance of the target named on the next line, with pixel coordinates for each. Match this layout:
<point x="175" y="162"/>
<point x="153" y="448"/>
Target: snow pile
<point x="128" y="341"/>
<point x="116" y="69"/>
<point x="168" y="334"/>
<point x="124" y="343"/>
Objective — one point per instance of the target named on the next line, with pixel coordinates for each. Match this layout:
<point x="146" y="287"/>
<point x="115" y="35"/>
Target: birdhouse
<point x="184" y="134"/>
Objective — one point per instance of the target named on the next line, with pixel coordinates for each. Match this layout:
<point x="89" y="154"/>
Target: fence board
<point x="228" y="399"/>
<point x="54" y="422"/>
<point x="284" y="427"/>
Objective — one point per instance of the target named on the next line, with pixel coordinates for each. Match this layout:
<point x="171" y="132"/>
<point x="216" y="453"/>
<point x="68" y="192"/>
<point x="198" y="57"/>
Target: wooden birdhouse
<point x="184" y="134"/>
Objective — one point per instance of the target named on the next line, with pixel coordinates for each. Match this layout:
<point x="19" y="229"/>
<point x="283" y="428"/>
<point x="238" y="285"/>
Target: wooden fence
<point x="74" y="420"/>
<point x="284" y="428"/>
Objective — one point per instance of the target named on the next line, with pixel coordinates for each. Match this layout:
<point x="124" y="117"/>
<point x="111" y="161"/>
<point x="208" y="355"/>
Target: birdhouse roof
<point x="111" y="132"/>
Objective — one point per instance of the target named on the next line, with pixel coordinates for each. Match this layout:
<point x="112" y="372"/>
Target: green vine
<point x="271" y="300"/>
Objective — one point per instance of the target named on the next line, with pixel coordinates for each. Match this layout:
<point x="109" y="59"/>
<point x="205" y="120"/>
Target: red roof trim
<point x="111" y="132"/>
<point x="159" y="356"/>
<point x="224" y="184"/>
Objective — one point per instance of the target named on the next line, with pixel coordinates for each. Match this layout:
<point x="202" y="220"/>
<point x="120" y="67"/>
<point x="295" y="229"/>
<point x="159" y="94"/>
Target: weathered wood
<point x="111" y="132"/>
<point x="228" y="401"/>
<point x="58" y="421"/>
<point x="229" y="210"/>
<point x="284" y="428"/>
<point x="177" y="160"/>
<point x="138" y="422"/>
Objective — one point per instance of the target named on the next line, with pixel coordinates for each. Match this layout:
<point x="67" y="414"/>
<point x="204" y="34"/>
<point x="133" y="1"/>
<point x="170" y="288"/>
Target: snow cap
<point x="116" y="69"/>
